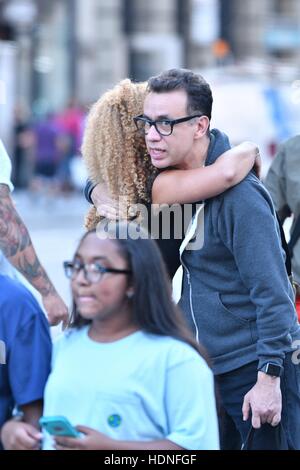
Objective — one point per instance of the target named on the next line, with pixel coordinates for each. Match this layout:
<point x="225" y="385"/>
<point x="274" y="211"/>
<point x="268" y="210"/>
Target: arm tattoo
<point x="16" y="245"/>
<point x="14" y="236"/>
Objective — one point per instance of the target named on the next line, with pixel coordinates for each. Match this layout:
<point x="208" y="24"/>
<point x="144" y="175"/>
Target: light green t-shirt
<point x="142" y="387"/>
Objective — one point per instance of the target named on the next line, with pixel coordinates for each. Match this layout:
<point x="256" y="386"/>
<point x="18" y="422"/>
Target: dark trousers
<point x="233" y="386"/>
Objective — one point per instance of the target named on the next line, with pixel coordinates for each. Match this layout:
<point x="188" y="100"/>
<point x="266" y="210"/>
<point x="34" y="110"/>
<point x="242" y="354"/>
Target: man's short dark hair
<point x="198" y="90"/>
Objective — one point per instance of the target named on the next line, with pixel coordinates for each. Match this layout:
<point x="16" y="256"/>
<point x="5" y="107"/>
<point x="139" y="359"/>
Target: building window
<point x="141" y="65"/>
<point x="128" y="16"/>
<point x="6" y="32"/>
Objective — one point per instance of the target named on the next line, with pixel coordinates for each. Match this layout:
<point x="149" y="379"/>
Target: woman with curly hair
<point x="120" y="167"/>
<point x="114" y="153"/>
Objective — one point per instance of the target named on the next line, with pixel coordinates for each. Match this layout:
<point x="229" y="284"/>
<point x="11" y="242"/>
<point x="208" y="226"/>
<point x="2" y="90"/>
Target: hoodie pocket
<point x="220" y="330"/>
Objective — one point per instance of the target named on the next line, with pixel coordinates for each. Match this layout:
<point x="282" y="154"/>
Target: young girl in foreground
<point x="128" y="372"/>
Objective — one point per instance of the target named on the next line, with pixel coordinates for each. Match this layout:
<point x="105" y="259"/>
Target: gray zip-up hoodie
<point x="239" y="293"/>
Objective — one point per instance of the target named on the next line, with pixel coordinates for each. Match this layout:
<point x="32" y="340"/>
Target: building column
<point x="154" y="40"/>
<point x="101" y="47"/>
<point x="248" y="27"/>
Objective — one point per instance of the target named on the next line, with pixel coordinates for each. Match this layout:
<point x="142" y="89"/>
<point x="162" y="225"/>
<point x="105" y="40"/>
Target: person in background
<point x="50" y="143"/>
<point x="23" y="145"/>
<point x="71" y="121"/>
<point x="23" y="374"/>
<point x="17" y="247"/>
<point x="283" y="182"/>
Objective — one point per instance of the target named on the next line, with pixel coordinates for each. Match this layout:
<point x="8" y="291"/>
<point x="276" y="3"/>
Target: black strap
<point x="248" y="444"/>
<point x="266" y="437"/>
<point x="295" y="236"/>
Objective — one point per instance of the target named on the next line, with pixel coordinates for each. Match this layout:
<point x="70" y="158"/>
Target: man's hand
<point x="92" y="440"/>
<point x="264" y="400"/>
<point x="56" y="309"/>
<point x="16" y="435"/>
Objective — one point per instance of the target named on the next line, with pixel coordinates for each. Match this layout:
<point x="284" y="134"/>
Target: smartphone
<point x="58" y="426"/>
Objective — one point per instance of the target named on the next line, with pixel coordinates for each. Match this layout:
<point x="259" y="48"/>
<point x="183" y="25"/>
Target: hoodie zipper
<point x="189" y="281"/>
<point x="191" y="298"/>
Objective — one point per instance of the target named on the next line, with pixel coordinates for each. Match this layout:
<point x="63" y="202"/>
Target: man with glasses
<point x="235" y="294"/>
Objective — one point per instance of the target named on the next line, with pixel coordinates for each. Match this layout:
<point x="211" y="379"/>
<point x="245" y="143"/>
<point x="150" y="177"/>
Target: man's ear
<point x="202" y="127"/>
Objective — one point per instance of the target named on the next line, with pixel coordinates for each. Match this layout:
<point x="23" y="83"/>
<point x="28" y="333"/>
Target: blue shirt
<point x="25" y="331"/>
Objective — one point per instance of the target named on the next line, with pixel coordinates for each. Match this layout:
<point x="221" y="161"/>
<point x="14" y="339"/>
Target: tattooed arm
<point x="16" y="244"/>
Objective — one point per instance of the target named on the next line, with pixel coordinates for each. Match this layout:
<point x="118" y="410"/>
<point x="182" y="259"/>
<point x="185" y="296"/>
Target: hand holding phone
<point x="58" y="426"/>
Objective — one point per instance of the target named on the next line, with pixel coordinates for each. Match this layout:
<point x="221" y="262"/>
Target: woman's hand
<point x="91" y="440"/>
<point x="257" y="163"/>
<point x="239" y="160"/>
<point x="94" y="440"/>
<point x="106" y="205"/>
<point x="249" y="151"/>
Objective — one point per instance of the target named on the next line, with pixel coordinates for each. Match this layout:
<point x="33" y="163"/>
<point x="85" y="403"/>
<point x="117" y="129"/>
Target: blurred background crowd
<point x="57" y="57"/>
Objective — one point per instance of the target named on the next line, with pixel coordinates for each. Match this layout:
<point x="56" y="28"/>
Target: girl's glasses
<point x="93" y="272"/>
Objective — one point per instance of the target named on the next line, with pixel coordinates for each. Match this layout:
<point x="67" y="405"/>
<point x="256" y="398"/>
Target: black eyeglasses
<point x="93" y="272"/>
<point x="163" y="126"/>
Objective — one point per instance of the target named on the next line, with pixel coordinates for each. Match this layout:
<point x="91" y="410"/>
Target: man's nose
<point x="153" y="134"/>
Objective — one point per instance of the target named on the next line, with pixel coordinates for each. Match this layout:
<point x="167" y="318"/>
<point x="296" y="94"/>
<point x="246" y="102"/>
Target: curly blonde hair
<point x="113" y="151"/>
